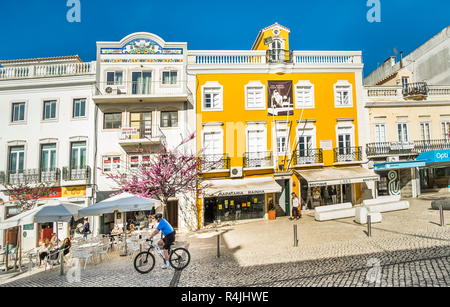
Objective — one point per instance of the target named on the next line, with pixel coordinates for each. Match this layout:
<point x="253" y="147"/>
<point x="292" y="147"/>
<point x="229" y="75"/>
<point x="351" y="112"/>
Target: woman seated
<point x="46" y="246"/>
<point x="131" y="229"/>
<point x="66" y="245"/>
<point x="54" y="240"/>
<point x="116" y="230"/>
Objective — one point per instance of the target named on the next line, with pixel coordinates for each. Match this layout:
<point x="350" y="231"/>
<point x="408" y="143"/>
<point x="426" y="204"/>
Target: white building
<point x="143" y="100"/>
<point x="47" y="133"/>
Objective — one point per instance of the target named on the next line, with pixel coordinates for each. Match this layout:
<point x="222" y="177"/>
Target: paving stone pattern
<point x="408" y="248"/>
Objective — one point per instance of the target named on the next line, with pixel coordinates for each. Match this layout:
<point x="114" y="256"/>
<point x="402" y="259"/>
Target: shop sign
<point x="73" y="191"/>
<point x="401" y="145"/>
<point x="54" y="193"/>
<point x="342" y="181"/>
<point x="238" y="193"/>
<point x="435" y="156"/>
<point x="393" y="186"/>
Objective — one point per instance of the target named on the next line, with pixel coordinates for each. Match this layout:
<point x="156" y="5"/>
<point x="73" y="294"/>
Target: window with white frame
<point x="402" y="132"/>
<point x="255" y="96"/>
<point x="343" y="94"/>
<point x="256" y="141"/>
<point x="212" y="143"/>
<point x="169" y="77"/>
<point x="380" y="133"/>
<point x="425" y="134"/>
<point x="114" y="78"/>
<point x="138" y="160"/>
<point x="304" y="95"/>
<point x="445" y="130"/>
<point x="282" y="146"/>
<point x="79" y="108"/>
<point x="345" y="141"/>
<point x="16" y="159"/>
<point x="212" y="97"/>
<point x="49" y="109"/>
<point x="18" y="112"/>
<point x="111" y="164"/>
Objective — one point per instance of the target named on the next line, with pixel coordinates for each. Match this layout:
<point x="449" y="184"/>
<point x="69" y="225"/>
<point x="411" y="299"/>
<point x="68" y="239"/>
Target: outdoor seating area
<point x="83" y="249"/>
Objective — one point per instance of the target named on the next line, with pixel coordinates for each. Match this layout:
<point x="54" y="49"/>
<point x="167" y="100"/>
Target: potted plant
<point x="272" y="214"/>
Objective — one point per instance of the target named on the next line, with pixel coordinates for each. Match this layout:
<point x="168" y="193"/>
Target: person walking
<point x="295" y="210"/>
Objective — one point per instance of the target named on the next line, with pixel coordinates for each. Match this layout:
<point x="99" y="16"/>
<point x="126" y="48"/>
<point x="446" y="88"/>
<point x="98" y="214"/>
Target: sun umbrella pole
<point x="125" y="230"/>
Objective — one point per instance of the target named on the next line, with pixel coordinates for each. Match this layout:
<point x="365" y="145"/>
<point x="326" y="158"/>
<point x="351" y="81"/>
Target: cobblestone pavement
<point x="408" y="248"/>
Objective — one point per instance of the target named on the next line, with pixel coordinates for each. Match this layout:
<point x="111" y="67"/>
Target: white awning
<point x="337" y="175"/>
<point x="236" y="187"/>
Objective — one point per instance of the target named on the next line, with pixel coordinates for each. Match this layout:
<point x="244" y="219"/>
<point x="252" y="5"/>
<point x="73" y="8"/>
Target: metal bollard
<point x="369" y="225"/>
<point x="441" y="214"/>
<point x="218" y="246"/>
<point x="295" y="236"/>
<point x="61" y="263"/>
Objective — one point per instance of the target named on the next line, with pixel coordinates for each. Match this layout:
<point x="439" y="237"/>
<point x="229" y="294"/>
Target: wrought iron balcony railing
<point x="405" y="148"/>
<point x="258" y="159"/>
<point x="415" y="89"/>
<point x="142" y="130"/>
<point x="72" y="173"/>
<point x="279" y="56"/>
<point x="36" y="175"/>
<point x="308" y="156"/>
<point x="215" y="161"/>
<point x="347" y="154"/>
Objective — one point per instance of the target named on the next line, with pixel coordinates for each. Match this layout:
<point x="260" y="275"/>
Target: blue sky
<point x="33" y="28"/>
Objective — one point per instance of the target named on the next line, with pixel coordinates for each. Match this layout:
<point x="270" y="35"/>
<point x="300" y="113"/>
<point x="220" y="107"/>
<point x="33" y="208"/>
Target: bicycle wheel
<point x="179" y="258"/>
<point x="144" y="262"/>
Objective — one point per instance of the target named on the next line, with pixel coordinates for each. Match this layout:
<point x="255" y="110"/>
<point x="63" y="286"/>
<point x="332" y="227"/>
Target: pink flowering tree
<point x="26" y="195"/>
<point x="168" y="173"/>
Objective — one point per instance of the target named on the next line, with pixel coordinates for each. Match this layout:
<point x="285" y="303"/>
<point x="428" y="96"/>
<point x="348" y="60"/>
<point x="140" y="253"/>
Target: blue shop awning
<point x="398" y="164"/>
<point x="435" y="156"/>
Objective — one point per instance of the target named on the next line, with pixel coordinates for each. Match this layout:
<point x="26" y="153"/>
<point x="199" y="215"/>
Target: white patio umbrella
<point x="54" y="211"/>
<point x="125" y="202"/>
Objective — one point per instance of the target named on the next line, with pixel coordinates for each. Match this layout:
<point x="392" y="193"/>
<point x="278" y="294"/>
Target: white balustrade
<point x="47" y="70"/>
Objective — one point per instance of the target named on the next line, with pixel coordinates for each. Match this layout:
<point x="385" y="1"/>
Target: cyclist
<point x="169" y="237"/>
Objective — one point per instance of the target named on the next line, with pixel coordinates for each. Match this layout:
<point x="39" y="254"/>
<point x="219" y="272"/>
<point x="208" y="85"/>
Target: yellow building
<point x="282" y="121"/>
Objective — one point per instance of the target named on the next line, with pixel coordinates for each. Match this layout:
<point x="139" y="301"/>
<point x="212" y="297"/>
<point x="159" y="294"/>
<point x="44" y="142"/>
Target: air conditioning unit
<point x="392" y="159"/>
<point x="236" y="171"/>
<point x="113" y="90"/>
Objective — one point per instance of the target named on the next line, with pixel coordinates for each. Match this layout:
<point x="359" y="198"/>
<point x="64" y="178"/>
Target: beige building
<point x="408" y="121"/>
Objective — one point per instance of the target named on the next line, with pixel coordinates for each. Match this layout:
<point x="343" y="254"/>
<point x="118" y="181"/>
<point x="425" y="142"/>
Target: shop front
<point x="435" y="174"/>
<point x="399" y="178"/>
<point x="327" y="186"/>
<point x="238" y="199"/>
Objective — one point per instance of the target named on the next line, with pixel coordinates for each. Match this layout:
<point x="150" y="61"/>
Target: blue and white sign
<point x="435" y="156"/>
<point x="398" y="164"/>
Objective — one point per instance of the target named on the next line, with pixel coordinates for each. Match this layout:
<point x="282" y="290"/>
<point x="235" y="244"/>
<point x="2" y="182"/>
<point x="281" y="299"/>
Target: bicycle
<point x="144" y="262"/>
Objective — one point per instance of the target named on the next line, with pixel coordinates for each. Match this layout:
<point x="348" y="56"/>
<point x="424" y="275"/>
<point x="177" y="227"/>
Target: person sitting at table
<point x="54" y="240"/>
<point x="46" y="247"/>
<point x="66" y="245"/>
<point x="116" y="230"/>
<point x="131" y="229"/>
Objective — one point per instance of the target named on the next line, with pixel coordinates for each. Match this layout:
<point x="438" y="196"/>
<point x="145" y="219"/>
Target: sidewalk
<point x="265" y="248"/>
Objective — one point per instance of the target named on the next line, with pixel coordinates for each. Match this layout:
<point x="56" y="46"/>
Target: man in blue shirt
<point x="169" y="237"/>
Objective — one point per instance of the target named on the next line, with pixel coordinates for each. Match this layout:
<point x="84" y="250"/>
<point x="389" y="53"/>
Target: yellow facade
<point x="234" y="117"/>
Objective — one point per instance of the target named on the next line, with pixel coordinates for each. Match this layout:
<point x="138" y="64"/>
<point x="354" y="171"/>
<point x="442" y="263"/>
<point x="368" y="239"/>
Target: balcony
<point x="37" y="175"/>
<point x="141" y="133"/>
<point x="279" y="56"/>
<point x="347" y="154"/>
<point x="261" y="159"/>
<point x="307" y="156"/>
<point x="139" y="91"/>
<point x="215" y="162"/>
<point x="381" y="149"/>
<point x="50" y="70"/>
<point x="74" y="173"/>
<point x="418" y="90"/>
